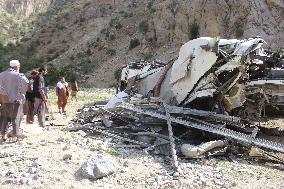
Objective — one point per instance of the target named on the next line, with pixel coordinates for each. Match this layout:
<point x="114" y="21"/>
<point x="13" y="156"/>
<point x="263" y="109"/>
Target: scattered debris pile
<point x="204" y="102"/>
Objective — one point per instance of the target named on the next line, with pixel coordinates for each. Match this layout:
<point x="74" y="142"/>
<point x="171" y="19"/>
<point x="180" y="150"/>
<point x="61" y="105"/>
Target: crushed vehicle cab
<point x="234" y="77"/>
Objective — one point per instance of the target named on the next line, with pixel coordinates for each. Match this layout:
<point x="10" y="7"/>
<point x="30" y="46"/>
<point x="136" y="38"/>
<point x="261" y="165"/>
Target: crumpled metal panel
<point x="188" y="52"/>
<point x="193" y="62"/>
<point x="228" y="45"/>
<point x="245" y="47"/>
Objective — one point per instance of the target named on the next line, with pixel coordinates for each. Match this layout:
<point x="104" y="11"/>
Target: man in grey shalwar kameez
<point x="13" y="87"/>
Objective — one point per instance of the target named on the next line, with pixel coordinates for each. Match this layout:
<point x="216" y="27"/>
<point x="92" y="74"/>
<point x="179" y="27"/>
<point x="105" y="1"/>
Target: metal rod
<point x="172" y="140"/>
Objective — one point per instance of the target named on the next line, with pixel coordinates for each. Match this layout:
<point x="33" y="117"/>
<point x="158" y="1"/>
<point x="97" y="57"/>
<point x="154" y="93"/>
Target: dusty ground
<point x="38" y="161"/>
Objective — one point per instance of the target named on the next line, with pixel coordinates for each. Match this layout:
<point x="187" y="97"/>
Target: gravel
<point x="51" y="159"/>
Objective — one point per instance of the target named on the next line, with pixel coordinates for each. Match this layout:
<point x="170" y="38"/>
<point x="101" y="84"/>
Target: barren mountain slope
<point x="97" y="37"/>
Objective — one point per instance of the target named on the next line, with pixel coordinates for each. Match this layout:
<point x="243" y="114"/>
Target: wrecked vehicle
<point x="232" y="77"/>
<point x="199" y="104"/>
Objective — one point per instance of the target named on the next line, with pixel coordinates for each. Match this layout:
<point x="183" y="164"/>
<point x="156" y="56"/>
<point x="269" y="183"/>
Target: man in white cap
<point x="13" y="87"/>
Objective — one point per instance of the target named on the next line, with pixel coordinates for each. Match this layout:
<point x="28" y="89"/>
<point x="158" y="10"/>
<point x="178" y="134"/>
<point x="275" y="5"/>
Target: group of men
<point x="20" y="95"/>
<point x="13" y="89"/>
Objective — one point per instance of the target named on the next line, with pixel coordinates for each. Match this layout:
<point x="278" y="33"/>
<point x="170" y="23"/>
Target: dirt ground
<point x="39" y="160"/>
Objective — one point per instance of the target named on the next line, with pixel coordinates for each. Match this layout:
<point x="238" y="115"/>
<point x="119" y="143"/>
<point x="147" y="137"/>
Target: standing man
<point x="40" y="102"/>
<point x="74" y="90"/>
<point x="62" y="93"/>
<point x="30" y="98"/>
<point x="13" y="87"/>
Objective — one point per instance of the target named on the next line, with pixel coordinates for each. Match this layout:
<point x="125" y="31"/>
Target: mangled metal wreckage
<point x="234" y="77"/>
<point x="215" y="86"/>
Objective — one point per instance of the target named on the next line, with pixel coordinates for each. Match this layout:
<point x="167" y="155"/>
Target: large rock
<point x="96" y="167"/>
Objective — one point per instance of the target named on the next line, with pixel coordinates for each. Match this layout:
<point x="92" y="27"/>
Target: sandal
<point x="4" y="138"/>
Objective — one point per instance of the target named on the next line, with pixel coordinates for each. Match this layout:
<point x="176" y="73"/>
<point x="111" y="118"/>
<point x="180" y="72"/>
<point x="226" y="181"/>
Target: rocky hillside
<point x="94" y="38"/>
<point x="17" y="16"/>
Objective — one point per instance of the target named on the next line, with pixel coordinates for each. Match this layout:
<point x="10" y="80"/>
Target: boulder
<point x="97" y="166"/>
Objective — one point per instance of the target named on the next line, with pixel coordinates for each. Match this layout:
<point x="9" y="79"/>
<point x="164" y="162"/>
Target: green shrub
<point x="95" y="44"/>
<point x="80" y="55"/>
<point x="31" y="48"/>
<point x="53" y="74"/>
<point x="143" y="26"/>
<point x="148" y="56"/>
<point x="113" y="21"/>
<point x="117" y="74"/>
<point x="134" y="43"/>
<point x="82" y="19"/>
<point x="66" y="16"/>
<point x="32" y="63"/>
<point x="132" y="4"/>
<point x="239" y="32"/>
<point x="150" y="6"/>
<point x="24" y="53"/>
<point x="111" y="52"/>
<point x="68" y="71"/>
<point x="60" y="26"/>
<point x="51" y="51"/>
<point x="194" y="30"/>
<point x="112" y="36"/>
<point x="89" y="52"/>
<point x="86" y="65"/>
<point x="103" y="10"/>
<point x="127" y="15"/>
<point x="87" y="4"/>
<point x="118" y="26"/>
<point x="100" y="47"/>
<point x="103" y="30"/>
<point x="107" y="32"/>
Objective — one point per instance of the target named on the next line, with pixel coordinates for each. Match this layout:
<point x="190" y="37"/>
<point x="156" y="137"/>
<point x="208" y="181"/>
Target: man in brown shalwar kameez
<point x="13" y="87"/>
<point x="74" y="89"/>
<point x="62" y="93"/>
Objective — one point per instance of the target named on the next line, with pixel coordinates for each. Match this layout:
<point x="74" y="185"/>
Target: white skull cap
<point x="14" y="63"/>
